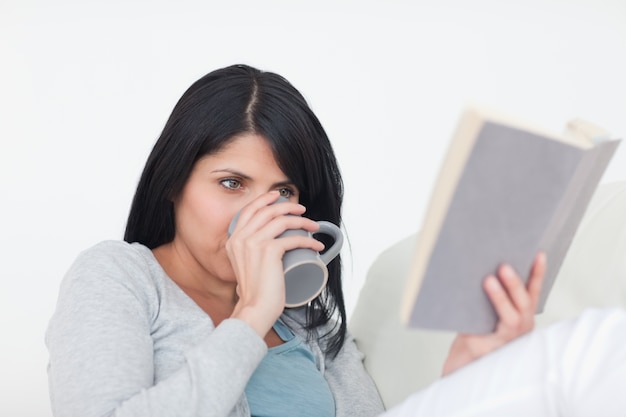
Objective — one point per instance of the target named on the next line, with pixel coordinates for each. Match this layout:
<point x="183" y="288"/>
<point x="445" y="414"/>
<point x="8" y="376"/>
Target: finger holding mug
<point x="263" y="212"/>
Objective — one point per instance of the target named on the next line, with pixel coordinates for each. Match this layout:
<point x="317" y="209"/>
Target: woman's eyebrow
<point x="231" y="172"/>
<point x="284" y="183"/>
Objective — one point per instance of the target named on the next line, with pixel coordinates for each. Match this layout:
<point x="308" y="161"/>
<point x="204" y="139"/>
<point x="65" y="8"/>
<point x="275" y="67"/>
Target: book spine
<point x="563" y="227"/>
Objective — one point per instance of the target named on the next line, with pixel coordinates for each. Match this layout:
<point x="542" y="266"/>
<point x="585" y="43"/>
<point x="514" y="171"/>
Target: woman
<point x="181" y="319"/>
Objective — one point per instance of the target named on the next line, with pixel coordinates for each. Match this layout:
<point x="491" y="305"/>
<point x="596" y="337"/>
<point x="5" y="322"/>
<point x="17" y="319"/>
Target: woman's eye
<point x="231" y="183"/>
<point x="286" y="192"/>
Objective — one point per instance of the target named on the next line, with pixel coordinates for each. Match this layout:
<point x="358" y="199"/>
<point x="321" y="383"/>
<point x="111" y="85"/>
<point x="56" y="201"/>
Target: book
<point x="506" y="190"/>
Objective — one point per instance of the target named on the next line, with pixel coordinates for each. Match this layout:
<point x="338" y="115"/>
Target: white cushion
<point x="402" y="360"/>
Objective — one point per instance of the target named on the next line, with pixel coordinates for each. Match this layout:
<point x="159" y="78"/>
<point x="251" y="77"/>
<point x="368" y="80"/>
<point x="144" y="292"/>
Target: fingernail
<point x="492" y="282"/>
<point x="507" y="270"/>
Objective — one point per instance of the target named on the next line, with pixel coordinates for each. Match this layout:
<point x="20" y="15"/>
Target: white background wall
<point x="86" y="86"/>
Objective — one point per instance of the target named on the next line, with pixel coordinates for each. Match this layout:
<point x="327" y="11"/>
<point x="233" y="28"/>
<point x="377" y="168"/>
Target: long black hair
<point x="216" y="108"/>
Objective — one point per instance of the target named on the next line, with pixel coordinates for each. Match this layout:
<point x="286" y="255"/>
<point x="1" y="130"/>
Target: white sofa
<point x="402" y="360"/>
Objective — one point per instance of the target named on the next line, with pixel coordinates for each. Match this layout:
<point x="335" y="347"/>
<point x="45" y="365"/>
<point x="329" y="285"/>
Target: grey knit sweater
<point x="125" y="340"/>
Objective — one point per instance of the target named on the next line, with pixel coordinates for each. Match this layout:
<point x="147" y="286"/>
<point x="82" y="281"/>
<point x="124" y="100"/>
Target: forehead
<point x="247" y="153"/>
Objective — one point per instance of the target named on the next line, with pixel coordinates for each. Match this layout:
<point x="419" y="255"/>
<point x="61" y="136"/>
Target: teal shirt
<point x="288" y="383"/>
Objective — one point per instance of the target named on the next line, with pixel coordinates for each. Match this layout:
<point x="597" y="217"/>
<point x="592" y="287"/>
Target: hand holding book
<point x="515" y="304"/>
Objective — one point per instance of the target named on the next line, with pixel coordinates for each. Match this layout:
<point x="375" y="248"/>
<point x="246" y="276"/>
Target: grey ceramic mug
<point x="305" y="270"/>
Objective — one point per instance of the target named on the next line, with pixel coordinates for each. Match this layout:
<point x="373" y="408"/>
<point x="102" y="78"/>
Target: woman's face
<point x="218" y="187"/>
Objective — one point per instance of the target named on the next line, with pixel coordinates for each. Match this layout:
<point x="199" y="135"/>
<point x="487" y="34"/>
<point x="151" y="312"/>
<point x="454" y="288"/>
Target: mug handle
<point x="332" y="230"/>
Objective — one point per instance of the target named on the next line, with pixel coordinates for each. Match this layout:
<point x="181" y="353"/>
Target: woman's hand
<point x="515" y="304"/>
<point x="256" y="255"/>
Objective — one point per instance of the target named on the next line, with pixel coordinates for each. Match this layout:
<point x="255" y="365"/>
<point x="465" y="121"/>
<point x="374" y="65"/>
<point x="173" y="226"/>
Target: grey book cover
<point x="519" y="192"/>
